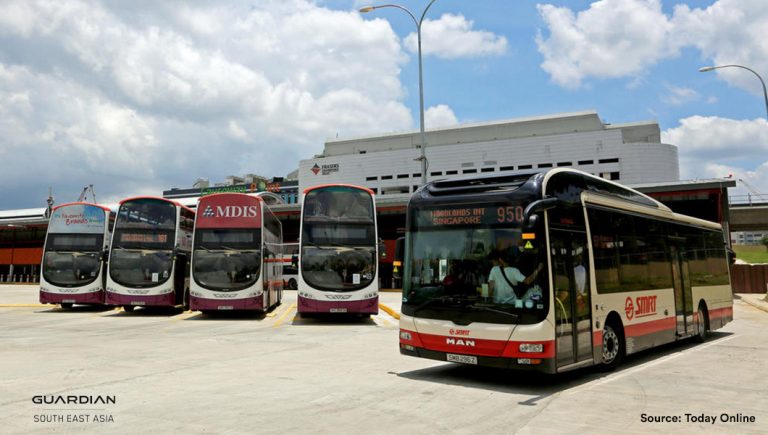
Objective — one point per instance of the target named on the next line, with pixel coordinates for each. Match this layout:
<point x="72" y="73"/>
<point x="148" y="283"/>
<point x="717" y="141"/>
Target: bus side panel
<point x="648" y="318"/>
<point x="719" y="301"/>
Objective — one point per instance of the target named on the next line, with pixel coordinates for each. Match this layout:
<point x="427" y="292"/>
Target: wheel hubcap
<point x="610" y="345"/>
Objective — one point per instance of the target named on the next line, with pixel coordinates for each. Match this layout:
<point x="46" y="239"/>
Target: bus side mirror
<point x="104" y="255"/>
<point x="530" y="217"/>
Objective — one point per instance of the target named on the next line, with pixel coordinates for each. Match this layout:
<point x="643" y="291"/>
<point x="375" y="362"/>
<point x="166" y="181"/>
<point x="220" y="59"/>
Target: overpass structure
<point x="749" y="217"/>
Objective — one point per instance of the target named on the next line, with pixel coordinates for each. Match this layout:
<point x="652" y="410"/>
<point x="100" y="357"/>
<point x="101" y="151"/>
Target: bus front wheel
<point x="128" y="308"/>
<point x="613" y="346"/>
<point x="66" y="305"/>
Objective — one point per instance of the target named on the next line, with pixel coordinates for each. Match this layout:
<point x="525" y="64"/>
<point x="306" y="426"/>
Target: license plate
<point x="68" y="301"/>
<point x="338" y="310"/>
<point x="226" y="307"/>
<point x="137" y="302"/>
<point x="464" y="359"/>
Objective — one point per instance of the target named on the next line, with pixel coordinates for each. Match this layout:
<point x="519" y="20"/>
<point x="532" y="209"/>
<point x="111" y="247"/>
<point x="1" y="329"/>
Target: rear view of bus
<point x="236" y="262"/>
<point x="149" y="254"/>
<point x="73" y="263"/>
<point x="338" y="251"/>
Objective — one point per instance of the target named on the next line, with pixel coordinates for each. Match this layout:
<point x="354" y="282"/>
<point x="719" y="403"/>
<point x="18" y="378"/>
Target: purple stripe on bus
<point x="205" y="304"/>
<point x="367" y="306"/>
<point x="96" y="297"/>
<point x="166" y="300"/>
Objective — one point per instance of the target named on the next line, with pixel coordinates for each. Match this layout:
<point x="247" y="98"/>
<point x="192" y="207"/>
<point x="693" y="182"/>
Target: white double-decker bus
<point x="149" y="254"/>
<point x="236" y="254"/>
<point x="338" y="251"/>
<point x="73" y="268"/>
<point x="554" y="271"/>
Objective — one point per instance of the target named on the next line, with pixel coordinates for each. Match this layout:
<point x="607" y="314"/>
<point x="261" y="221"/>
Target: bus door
<point x="683" y="298"/>
<point x="571" y="291"/>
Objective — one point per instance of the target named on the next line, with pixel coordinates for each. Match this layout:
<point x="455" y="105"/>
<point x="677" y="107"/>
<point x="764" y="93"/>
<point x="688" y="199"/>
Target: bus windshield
<point x="227" y="259"/>
<point x="140" y="267"/>
<point x="479" y="261"/>
<point x="338" y="240"/>
<point x="72" y="259"/>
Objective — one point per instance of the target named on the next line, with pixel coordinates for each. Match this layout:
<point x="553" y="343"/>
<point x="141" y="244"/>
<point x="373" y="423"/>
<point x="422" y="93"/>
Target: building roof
<point x="544" y="125"/>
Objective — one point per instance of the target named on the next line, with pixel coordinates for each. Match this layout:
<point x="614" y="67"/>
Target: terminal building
<point x="631" y="154"/>
<point x="626" y="153"/>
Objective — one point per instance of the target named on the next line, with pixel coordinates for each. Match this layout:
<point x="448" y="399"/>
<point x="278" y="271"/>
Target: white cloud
<point x="439" y="116"/>
<point x="713" y="147"/>
<point x="134" y="101"/>
<point x="452" y="37"/>
<point x="613" y="38"/>
<point x="678" y="96"/>
<point x="623" y="38"/>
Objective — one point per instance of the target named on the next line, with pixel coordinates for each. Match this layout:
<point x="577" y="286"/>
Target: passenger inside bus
<point x="507" y="285"/>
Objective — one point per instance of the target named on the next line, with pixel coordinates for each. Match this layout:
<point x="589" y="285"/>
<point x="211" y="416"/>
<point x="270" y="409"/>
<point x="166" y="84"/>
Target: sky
<point x="137" y="97"/>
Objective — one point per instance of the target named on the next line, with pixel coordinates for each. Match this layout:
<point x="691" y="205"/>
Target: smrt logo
<point x="643" y="306"/>
<point x="629" y="308"/>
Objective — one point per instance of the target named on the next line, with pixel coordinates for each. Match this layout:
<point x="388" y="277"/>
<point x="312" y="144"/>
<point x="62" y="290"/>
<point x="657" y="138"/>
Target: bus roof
<point x="176" y="203"/>
<point x="321" y="186"/>
<point x="103" y="207"/>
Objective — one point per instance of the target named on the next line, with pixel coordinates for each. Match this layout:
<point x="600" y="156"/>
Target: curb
<point x="390" y="311"/>
<point x="759" y="306"/>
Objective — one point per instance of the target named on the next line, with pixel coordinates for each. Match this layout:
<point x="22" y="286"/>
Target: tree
<point x="764" y="241"/>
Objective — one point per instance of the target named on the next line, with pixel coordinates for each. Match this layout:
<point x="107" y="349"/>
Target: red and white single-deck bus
<point x="73" y="269"/>
<point x="236" y="252"/>
<point x="338" y="251"/>
<point x="149" y="254"/>
<point x="554" y="271"/>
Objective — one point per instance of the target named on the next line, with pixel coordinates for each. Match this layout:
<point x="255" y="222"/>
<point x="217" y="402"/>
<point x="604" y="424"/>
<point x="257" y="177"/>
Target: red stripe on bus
<point x="477" y="346"/>
<point x="717" y="313"/>
<point x="645" y="328"/>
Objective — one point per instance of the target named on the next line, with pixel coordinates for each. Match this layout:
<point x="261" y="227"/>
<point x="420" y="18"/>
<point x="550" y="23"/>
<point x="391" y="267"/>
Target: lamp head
<point x="706" y="68"/>
<point x="366" y="9"/>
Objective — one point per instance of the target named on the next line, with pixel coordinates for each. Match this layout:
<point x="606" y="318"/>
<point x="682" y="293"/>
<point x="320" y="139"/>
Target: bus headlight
<point x="405" y="335"/>
<point x="531" y="347"/>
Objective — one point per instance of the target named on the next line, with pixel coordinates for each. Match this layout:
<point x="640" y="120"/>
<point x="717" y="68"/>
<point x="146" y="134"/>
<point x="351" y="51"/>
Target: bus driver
<point x="503" y="278"/>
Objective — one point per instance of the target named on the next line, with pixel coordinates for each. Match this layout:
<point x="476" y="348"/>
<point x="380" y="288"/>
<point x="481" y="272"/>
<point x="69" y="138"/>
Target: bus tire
<point x="185" y="303"/>
<point x="613" y="345"/>
<point x="128" y="308"/>
<point x="292" y="285"/>
<point x="66" y="305"/>
<point x="702" y="324"/>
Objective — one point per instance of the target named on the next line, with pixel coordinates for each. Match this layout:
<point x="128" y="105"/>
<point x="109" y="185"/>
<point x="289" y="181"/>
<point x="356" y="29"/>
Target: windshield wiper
<point x="493" y="310"/>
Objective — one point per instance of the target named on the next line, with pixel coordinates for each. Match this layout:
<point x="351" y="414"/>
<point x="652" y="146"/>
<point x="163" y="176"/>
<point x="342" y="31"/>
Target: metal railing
<point x="748" y="199"/>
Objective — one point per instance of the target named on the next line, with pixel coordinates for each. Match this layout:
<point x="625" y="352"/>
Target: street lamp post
<point x="422" y="157"/>
<point x="765" y="93"/>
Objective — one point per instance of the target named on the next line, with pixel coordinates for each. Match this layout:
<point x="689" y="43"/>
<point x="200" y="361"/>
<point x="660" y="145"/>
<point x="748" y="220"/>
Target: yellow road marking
<point x="185" y="315"/>
<point x="27" y="305"/>
<point x="283" y="316"/>
<point x="390" y="311"/>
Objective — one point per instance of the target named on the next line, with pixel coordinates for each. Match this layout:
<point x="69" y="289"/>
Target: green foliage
<point x="753" y="254"/>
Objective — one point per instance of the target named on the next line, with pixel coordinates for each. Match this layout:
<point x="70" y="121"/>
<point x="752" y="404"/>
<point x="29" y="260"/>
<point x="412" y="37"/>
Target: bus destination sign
<point x="497" y="214"/>
<point x="153" y="238"/>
